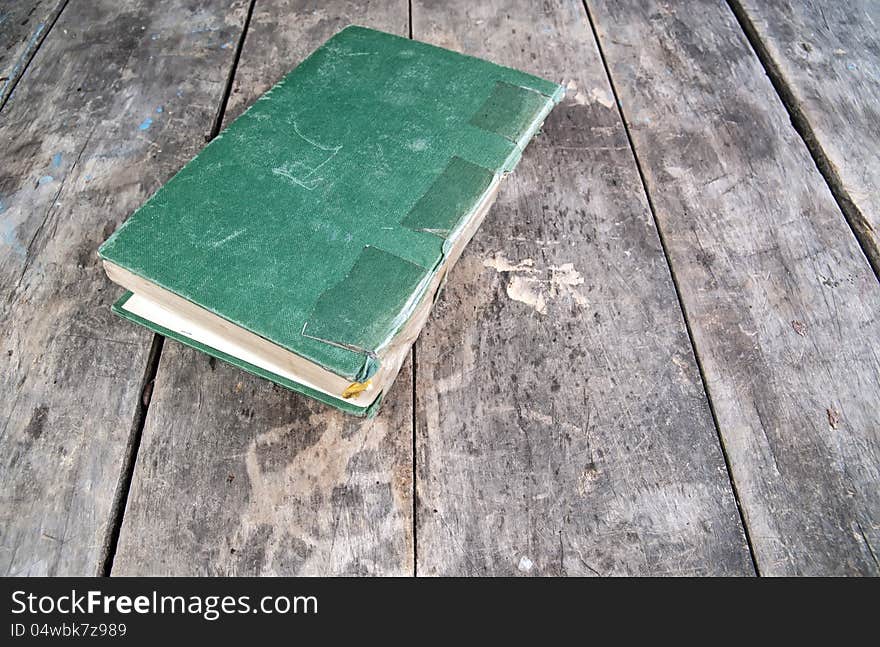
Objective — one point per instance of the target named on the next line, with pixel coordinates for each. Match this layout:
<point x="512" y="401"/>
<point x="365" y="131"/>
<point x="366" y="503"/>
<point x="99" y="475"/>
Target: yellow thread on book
<point x="354" y="388"/>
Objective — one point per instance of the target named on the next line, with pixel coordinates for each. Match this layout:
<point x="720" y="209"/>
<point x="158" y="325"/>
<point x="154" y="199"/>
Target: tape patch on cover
<point x="367" y="306"/>
<point x="509" y="110"/>
<point x="449" y="199"/>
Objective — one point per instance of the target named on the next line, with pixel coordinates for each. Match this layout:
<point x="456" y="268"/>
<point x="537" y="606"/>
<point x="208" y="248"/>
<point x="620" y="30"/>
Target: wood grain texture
<point x="237" y="476"/>
<point x="825" y="57"/>
<point x="781" y="302"/>
<point x="24" y="25"/>
<point x="77" y="153"/>
<point x="562" y="428"/>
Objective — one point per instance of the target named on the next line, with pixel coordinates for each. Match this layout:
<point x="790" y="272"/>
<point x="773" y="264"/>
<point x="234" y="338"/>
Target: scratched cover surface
<point x="318" y="217"/>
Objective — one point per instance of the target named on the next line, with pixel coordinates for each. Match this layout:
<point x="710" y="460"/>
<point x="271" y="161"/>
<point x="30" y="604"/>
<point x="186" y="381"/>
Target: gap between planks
<point x="853" y="216"/>
<point x="134" y="442"/>
<point x="415" y="503"/>
<point x="16" y="75"/>
<point x="675" y="284"/>
<point x="151" y="369"/>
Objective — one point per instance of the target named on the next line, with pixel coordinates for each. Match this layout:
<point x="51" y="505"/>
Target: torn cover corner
<point x="369" y="368"/>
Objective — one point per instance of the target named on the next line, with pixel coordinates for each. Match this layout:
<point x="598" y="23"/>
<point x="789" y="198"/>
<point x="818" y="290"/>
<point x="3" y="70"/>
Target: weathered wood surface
<point x="236" y="476"/>
<point x="781" y="302"/>
<point x="825" y="57"/>
<point x="23" y="27"/>
<point x="562" y="428"/>
<point x="117" y="98"/>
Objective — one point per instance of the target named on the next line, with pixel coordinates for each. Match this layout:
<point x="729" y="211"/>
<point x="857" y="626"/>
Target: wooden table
<point x="658" y="356"/>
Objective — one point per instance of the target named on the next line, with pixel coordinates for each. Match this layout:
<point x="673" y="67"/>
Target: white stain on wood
<point x="596" y="95"/>
<point x="526" y="290"/>
<point x="499" y="263"/>
<point x="537" y="287"/>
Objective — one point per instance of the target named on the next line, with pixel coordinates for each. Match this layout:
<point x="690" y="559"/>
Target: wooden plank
<point x="118" y="96"/>
<point x="782" y="305"/>
<point x="824" y="58"/>
<point x="562" y="428"/>
<point x="236" y="476"/>
<point x="23" y="27"/>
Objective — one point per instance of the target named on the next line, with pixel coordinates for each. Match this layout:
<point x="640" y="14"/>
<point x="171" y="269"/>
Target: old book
<point x="306" y="242"/>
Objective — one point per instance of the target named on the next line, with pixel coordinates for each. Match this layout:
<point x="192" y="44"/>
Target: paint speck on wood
<point x="833" y="417"/>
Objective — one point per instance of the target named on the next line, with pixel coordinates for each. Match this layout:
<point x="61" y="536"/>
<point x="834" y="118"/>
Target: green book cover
<point x="319" y="218"/>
